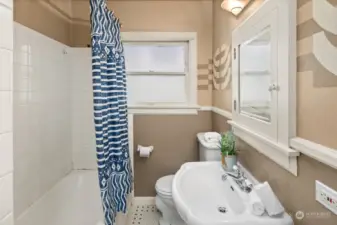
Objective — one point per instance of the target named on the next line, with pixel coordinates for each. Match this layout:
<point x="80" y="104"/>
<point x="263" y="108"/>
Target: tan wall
<point x="174" y="141"/>
<point x="316" y="87"/>
<point x="316" y="118"/>
<point x="67" y="21"/>
<point x="45" y="17"/>
<point x="295" y="193"/>
<point x="162" y="16"/>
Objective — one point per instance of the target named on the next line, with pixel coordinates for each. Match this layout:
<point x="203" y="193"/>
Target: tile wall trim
<point x="221" y="112"/>
<point x="321" y="153"/>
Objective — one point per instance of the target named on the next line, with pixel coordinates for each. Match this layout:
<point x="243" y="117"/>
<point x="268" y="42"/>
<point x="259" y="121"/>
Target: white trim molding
<point x="163" y="109"/>
<point x="221" y="112"/>
<point x="281" y="154"/>
<point x="175" y="110"/>
<point x="190" y="78"/>
<point x="316" y="151"/>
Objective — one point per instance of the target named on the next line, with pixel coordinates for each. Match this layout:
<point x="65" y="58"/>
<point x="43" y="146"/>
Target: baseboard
<point x="143" y="200"/>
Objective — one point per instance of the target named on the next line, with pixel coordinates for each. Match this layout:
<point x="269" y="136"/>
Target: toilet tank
<point x="208" y="151"/>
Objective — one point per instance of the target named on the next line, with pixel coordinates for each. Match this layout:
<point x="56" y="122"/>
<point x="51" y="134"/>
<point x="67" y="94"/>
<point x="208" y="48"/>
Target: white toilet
<point x="164" y="200"/>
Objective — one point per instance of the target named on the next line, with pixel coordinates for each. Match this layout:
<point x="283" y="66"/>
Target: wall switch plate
<point x="326" y="196"/>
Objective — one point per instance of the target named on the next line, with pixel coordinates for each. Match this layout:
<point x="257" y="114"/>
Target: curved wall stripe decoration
<point x="317" y="41"/>
<point x="222" y="67"/>
<point x="205" y="73"/>
<point x="325" y="15"/>
<point x="304" y="13"/>
<point x="304" y="46"/>
<point x="325" y="52"/>
<point x="321" y="76"/>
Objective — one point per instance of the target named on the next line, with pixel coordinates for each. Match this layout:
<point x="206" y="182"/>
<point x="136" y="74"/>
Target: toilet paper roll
<point x="144" y="151"/>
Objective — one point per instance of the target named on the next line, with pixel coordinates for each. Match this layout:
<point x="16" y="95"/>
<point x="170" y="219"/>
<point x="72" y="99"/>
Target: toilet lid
<point x="164" y="184"/>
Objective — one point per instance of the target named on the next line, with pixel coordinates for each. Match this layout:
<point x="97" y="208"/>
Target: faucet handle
<point x="236" y="168"/>
<point x="237" y="171"/>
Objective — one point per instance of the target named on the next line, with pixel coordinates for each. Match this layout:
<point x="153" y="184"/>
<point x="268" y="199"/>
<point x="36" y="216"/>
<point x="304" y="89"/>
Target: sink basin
<point x="201" y="197"/>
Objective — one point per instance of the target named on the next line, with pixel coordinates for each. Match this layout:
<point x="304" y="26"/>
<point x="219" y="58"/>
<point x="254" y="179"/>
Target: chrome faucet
<point x="239" y="178"/>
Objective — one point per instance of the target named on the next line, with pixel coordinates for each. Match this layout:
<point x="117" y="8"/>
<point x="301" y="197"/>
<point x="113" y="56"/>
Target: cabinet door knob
<point x="273" y="87"/>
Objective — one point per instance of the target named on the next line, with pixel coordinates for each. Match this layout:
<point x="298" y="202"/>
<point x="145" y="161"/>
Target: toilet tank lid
<point x="210" y="146"/>
<point x="164" y="184"/>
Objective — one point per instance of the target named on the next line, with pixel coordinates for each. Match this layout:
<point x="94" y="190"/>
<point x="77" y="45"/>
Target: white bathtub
<point x="75" y="200"/>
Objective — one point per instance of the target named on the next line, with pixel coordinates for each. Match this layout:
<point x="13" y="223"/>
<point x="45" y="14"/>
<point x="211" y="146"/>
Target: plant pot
<point x="223" y="161"/>
<point x="230" y="161"/>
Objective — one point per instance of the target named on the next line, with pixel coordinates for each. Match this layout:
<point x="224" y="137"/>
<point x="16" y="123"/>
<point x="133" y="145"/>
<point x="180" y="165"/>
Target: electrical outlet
<point x="326" y="196"/>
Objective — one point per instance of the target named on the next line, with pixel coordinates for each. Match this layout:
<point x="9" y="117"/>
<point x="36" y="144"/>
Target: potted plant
<point x="228" y="150"/>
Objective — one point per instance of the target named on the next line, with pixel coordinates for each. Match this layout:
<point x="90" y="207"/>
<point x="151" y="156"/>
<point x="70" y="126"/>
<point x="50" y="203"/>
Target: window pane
<point x="147" y="57"/>
<point x="154" y="89"/>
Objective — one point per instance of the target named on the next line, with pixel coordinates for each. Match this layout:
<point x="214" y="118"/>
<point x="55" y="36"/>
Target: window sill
<point x="281" y="154"/>
<point x="163" y="109"/>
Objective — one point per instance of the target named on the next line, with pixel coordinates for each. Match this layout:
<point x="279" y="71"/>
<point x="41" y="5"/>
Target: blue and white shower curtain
<point x="110" y="110"/>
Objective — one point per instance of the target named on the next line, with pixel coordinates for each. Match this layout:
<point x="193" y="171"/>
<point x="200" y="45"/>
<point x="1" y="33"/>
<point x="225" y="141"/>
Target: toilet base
<point x="162" y="222"/>
<point x="169" y="215"/>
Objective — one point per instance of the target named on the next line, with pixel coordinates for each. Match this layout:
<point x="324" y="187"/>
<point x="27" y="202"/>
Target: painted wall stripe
<point x="325" y="52"/>
<point x="325" y="15"/>
<point x="304" y="46"/>
<point x="304" y="13"/>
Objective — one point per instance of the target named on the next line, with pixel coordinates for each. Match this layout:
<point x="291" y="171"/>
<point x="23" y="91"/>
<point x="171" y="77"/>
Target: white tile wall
<point x="6" y="134"/>
<point x="8" y="220"/>
<point x="6" y="153"/>
<point x="83" y="131"/>
<point x="6" y="26"/>
<point x="6" y="186"/>
<point x="42" y="116"/>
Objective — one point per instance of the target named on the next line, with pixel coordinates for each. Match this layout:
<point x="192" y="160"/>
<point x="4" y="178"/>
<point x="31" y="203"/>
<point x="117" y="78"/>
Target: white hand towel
<point x="256" y="206"/>
<point x="212" y="136"/>
<point x="269" y="199"/>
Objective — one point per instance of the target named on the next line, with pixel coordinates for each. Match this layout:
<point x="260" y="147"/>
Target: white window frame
<point x="275" y="147"/>
<point x="191" y="106"/>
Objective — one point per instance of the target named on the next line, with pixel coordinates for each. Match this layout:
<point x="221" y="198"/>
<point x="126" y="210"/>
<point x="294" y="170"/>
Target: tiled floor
<point x="143" y="214"/>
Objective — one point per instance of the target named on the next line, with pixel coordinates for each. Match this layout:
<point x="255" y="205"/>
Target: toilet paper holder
<point x="145" y="151"/>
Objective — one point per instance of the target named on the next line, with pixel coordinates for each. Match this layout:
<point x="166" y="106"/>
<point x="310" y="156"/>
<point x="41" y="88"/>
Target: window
<point x="161" y="72"/>
<point x="264" y="81"/>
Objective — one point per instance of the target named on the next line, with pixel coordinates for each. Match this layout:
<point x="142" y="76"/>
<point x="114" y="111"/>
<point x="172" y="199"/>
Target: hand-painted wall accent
<point x="222" y="67"/>
<point x="317" y="40"/>
<point x="205" y="74"/>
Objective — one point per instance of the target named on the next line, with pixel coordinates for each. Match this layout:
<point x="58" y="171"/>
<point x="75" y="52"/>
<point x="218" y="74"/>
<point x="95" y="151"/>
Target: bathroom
<point x="48" y="168"/>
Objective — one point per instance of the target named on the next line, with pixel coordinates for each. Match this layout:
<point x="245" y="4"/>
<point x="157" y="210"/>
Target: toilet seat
<point x="164" y="186"/>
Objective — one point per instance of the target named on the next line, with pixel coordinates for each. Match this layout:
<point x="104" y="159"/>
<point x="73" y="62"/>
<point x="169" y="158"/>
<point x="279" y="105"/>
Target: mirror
<point x="255" y="76"/>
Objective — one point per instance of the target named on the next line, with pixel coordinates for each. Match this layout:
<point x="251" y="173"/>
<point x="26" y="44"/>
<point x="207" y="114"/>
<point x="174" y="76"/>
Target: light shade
<point x="234" y="6"/>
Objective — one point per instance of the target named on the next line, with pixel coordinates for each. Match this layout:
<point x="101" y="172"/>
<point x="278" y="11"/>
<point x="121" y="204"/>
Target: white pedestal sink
<point x="203" y="198"/>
